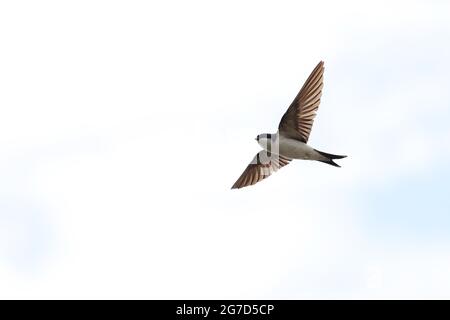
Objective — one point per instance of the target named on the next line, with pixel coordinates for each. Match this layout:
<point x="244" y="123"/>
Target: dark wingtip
<point x="235" y="186"/>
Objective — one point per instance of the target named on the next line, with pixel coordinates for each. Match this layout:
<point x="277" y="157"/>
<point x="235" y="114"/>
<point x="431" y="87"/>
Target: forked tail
<point x="329" y="158"/>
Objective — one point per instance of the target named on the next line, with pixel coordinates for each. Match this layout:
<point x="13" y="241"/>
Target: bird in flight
<point x="290" y="141"/>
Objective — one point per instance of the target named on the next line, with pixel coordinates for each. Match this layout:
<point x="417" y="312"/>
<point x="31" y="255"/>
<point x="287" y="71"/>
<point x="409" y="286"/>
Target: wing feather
<point x="262" y="166"/>
<point x="297" y="122"/>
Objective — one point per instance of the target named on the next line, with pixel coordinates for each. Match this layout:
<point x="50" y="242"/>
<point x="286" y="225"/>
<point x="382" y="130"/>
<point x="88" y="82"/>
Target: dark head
<point x="266" y="136"/>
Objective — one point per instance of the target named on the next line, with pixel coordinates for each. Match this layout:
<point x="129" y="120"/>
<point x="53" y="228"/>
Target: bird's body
<point x="290" y="141"/>
<point x="289" y="148"/>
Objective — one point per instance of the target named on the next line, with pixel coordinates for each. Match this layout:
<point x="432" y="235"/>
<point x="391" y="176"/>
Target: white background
<point x="123" y="125"/>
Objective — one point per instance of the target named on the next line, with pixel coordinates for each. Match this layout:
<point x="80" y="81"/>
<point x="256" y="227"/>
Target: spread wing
<point x="262" y="166"/>
<point x="299" y="117"/>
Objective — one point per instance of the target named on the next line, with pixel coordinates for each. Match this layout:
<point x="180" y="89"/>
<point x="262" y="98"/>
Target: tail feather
<point x="329" y="158"/>
<point x="330" y="162"/>
<point x="329" y="155"/>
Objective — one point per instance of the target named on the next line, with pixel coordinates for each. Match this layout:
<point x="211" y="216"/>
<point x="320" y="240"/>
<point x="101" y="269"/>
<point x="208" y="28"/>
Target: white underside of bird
<point x="290" y="148"/>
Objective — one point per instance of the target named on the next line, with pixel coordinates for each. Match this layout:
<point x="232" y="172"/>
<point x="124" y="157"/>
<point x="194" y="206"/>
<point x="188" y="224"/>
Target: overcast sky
<point x="123" y="125"/>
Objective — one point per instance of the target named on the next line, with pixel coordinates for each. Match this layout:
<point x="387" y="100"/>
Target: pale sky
<point x="124" y="124"/>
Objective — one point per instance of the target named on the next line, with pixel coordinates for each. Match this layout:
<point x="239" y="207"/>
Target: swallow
<point x="290" y="141"/>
